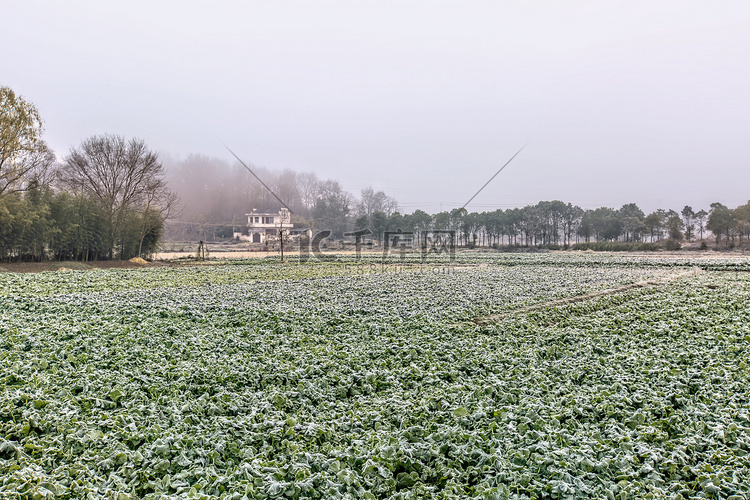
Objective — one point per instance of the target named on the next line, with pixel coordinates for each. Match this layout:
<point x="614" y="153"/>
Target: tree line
<point x="107" y="199"/>
<point x="556" y="224"/>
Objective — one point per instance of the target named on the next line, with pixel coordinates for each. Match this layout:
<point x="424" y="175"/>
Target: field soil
<point x="248" y="254"/>
<point x="38" y="267"/>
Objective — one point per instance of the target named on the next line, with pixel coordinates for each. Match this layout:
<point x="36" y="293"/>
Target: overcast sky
<point x="628" y="101"/>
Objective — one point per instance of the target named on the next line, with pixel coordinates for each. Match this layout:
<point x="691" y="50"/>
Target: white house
<point x="265" y="226"/>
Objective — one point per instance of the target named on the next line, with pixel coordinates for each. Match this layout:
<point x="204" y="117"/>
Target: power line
<point x="501" y="169"/>
<point x="264" y="184"/>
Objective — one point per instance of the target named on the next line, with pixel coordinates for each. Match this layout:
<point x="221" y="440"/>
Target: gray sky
<point x="627" y="101"/>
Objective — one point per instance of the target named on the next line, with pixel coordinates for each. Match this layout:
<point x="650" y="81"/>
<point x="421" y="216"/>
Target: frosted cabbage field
<point x="260" y="379"/>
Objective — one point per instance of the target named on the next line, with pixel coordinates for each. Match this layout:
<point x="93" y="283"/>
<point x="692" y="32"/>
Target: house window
<point x="268" y="220"/>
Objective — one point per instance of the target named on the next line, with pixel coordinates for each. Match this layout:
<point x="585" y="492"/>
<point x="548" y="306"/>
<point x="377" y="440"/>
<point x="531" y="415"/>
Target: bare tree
<point x="372" y="201"/>
<point x="309" y="188"/>
<point x="390" y="206"/>
<point x="24" y="156"/>
<point x="121" y="175"/>
<point x="285" y="186"/>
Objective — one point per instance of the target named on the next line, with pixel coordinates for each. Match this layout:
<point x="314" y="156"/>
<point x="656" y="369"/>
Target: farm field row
<point x="265" y="380"/>
<point x="233" y="271"/>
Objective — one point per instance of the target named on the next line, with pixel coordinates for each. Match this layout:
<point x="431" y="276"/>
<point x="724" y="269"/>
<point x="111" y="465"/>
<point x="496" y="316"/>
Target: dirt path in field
<point x="38" y="267"/>
<point x="252" y="254"/>
<point x="494" y="318"/>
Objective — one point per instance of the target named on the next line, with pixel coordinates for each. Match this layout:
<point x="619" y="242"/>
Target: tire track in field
<point x="494" y="318"/>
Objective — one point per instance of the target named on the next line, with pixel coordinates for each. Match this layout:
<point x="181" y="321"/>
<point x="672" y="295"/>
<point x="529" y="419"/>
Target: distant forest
<point x="217" y="195"/>
<point x="559" y="225"/>
<point x="113" y="198"/>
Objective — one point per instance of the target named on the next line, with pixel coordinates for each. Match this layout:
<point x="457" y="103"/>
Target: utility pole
<point x="281" y="239"/>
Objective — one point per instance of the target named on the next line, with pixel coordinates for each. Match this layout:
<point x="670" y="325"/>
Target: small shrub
<point x="606" y="246"/>
<point x="647" y="247"/>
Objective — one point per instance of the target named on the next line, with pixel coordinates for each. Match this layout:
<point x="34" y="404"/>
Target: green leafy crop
<point x="266" y="380"/>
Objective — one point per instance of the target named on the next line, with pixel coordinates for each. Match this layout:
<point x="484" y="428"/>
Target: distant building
<point x="263" y="227"/>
